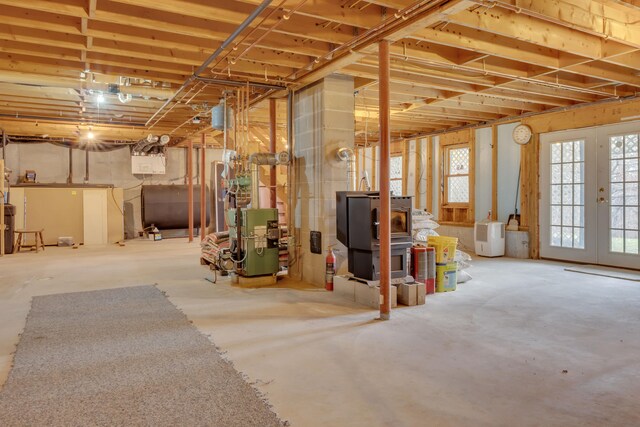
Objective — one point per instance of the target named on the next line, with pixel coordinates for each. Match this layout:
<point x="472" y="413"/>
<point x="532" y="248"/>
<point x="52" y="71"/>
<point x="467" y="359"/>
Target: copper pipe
<point x="272" y="139"/>
<point x="247" y="104"/>
<point x="190" y="183"/>
<point x="203" y="183"/>
<point x="385" y="200"/>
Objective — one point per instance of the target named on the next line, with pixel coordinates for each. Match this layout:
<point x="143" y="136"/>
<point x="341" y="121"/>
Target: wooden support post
<point x="530" y="193"/>
<point x="272" y="140"/>
<point x="405" y="166"/>
<point x="385" y="200"/>
<point x="374" y="175"/>
<point x="2" y="224"/>
<point x="418" y="176"/>
<point x="190" y="188"/>
<point x="429" y="197"/>
<point x="203" y="194"/>
<point x="494" y="172"/>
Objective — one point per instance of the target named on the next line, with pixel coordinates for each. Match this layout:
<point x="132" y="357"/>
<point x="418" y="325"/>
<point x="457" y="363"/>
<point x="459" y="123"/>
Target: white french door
<point x="589" y="195"/>
<point x="617" y="197"/>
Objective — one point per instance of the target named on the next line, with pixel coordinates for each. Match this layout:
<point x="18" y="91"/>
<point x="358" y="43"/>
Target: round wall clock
<point x="522" y="134"/>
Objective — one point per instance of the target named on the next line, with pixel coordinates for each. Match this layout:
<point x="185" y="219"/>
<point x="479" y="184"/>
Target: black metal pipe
<point x="70" y="177"/>
<point x="213" y="56"/>
<point x="86" y="166"/>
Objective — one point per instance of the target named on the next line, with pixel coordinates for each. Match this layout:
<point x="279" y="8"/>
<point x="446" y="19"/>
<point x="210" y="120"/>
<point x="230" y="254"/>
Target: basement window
<point x="456" y="179"/>
<point x="457" y="183"/>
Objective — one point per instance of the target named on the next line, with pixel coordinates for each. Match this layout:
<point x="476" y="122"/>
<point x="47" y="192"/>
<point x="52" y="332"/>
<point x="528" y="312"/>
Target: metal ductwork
<point x="263" y="159"/>
<point x="145" y="145"/>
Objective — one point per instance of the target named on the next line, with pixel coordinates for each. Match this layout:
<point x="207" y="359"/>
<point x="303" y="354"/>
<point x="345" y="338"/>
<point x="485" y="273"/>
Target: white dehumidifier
<point x="489" y="238"/>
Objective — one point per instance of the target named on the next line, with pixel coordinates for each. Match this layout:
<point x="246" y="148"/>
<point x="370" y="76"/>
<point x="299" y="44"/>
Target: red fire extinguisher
<point x="331" y="269"/>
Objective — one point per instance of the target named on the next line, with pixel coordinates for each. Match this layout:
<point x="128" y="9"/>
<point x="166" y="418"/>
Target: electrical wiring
<point x="113" y="196"/>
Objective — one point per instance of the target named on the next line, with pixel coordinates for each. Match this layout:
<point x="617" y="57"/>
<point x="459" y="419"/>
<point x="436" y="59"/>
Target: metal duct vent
<point x="144" y="146"/>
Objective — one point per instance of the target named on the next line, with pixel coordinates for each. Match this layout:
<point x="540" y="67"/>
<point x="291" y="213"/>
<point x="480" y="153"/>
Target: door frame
<point x="605" y="256"/>
<point x="589" y="253"/>
<point x="596" y="173"/>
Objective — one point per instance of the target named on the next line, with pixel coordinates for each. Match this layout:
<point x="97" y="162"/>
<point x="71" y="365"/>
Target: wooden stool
<point x="37" y="234"/>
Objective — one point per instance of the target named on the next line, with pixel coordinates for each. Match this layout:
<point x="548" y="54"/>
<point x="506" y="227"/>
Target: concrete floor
<point x="492" y="353"/>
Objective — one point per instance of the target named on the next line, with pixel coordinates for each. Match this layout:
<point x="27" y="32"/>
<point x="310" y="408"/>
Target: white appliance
<point x="148" y="165"/>
<point x="489" y="238"/>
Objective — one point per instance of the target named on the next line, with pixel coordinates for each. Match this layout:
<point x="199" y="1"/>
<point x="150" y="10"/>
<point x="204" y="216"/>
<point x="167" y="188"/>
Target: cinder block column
<point x="323" y="123"/>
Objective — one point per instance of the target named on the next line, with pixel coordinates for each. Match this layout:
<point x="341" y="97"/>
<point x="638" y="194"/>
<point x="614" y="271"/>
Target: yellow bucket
<point x="446" y="277"/>
<point x="445" y="248"/>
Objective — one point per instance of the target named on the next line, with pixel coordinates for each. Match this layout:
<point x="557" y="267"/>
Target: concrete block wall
<point x="323" y="123"/>
<point x="51" y="164"/>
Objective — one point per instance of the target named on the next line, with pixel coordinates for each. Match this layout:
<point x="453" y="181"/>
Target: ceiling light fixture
<point x="90" y="135"/>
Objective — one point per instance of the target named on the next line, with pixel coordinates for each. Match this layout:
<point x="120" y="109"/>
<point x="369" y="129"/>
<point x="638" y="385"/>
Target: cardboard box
<point x="407" y="294"/>
<point x="370" y="295"/>
<point x="421" y="293"/>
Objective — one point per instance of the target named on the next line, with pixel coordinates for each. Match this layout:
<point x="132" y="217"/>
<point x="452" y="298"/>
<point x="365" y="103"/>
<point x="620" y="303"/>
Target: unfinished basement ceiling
<point x="453" y="62"/>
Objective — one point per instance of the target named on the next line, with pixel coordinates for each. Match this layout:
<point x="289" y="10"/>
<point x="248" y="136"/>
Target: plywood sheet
<point x="57" y="210"/>
<point x="94" y="204"/>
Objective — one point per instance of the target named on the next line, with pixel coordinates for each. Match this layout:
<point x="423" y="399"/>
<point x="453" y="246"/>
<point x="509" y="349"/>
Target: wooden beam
<point x="61" y="8"/>
<point x="2" y="224"/>
<point x="471" y="211"/>
<point x="590" y="17"/>
<point x="393" y="31"/>
<point x="532" y="30"/>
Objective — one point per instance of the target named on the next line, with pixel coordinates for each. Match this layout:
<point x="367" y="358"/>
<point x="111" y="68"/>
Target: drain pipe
<point x="213" y="56"/>
<point x="86" y="166"/>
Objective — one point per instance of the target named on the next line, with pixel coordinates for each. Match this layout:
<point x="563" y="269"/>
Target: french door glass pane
<point x="623" y="193"/>
<point x="567" y="194"/>
<point x="631" y="242"/>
